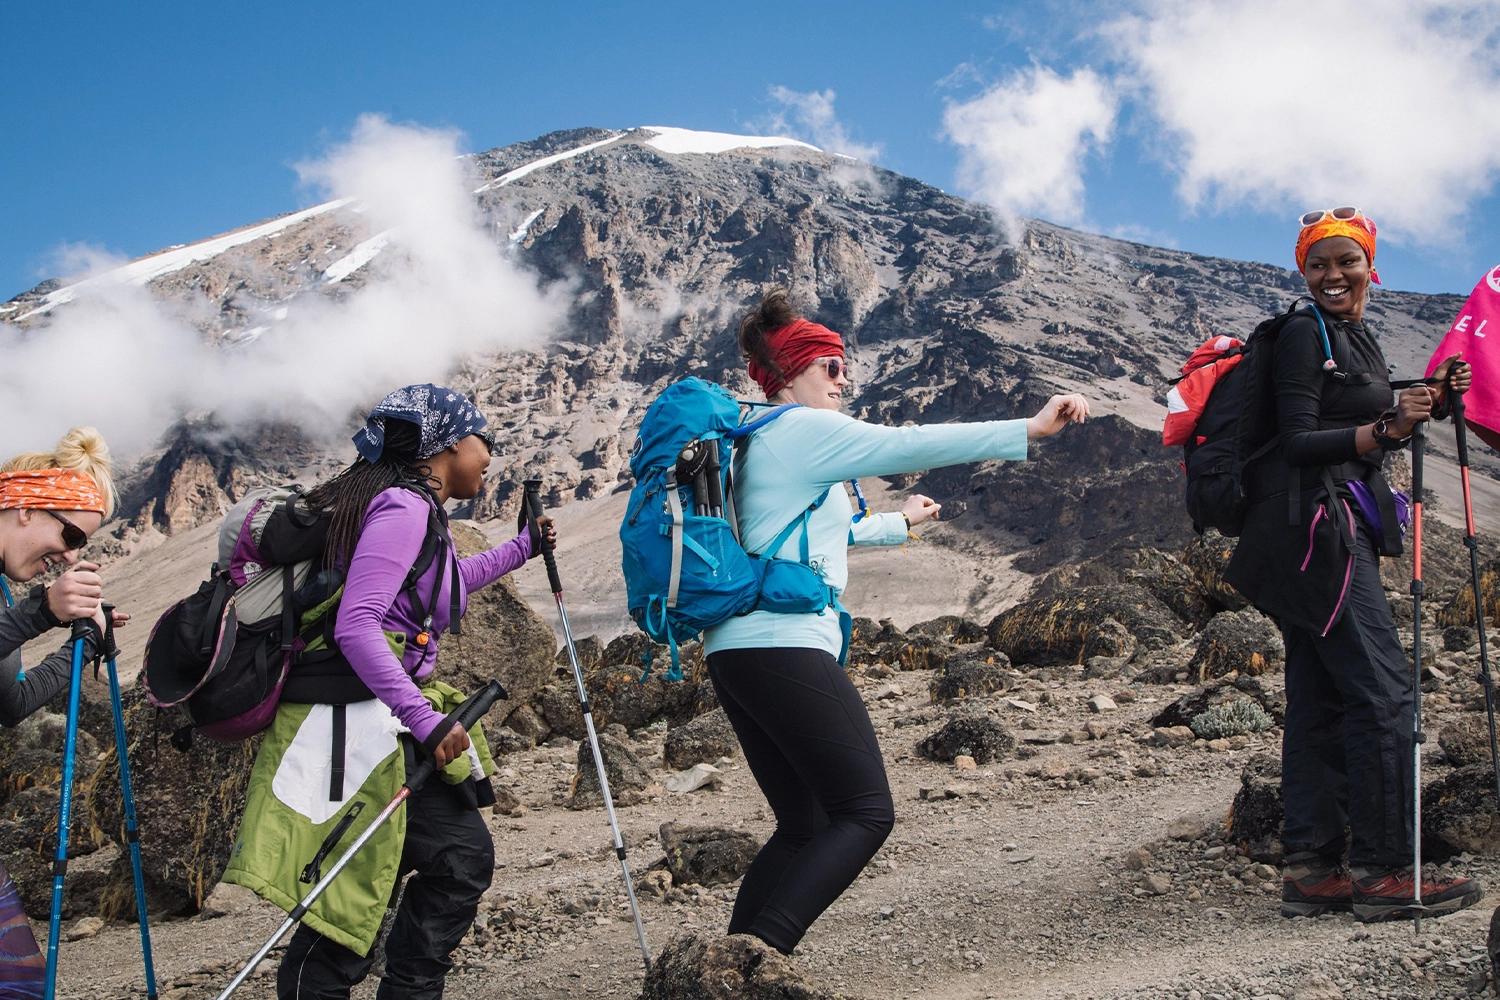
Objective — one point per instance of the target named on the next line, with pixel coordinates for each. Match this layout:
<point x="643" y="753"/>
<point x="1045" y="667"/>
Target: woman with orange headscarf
<point x="1347" y="749"/>
<point x="50" y="502"/>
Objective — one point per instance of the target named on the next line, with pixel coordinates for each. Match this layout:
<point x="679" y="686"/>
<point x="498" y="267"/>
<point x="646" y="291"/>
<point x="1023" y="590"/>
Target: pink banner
<point x="1475" y="334"/>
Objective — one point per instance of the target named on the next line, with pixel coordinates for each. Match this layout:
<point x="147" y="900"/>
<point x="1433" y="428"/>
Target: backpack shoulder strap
<point x="800" y="519"/>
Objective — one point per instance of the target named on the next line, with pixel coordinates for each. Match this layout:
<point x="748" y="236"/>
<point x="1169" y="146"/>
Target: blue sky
<point x="1204" y="126"/>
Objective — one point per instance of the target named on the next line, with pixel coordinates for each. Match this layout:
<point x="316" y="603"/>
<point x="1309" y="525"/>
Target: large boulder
<point x="1244" y="641"/>
<point x="737" y="967"/>
<point x="707" y="855"/>
<point x="1459" y="813"/>
<point x="502" y="637"/>
<point x="1466" y="740"/>
<point x="977" y="736"/>
<point x="189" y="807"/>
<point x="629" y="780"/>
<point x="1070" y="627"/>
<point x="1255" y="818"/>
<point x="701" y="741"/>
<point x="972" y="672"/>
<point x="954" y="628"/>
<point x="618" y="695"/>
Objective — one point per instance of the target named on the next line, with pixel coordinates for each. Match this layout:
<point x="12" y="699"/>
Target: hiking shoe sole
<point x="1300" y="908"/>
<point x="1374" y="911"/>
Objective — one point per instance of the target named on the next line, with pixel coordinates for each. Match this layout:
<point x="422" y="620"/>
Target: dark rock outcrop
<point x="977" y="736"/>
<point x="1206" y="557"/>
<point x="738" y="967"/>
<point x="971" y="673"/>
<point x="1217" y="692"/>
<point x="1244" y="641"/>
<point x="707" y="855"/>
<point x="1255" y="818"/>
<point x="629" y="780"/>
<point x="701" y="741"/>
<point x="1459" y="813"/>
<point x="1466" y="740"/>
<point x="1071" y="627"/>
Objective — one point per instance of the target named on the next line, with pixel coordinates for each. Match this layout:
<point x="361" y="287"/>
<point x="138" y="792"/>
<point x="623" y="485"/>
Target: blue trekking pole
<point x="132" y="830"/>
<point x="81" y="629"/>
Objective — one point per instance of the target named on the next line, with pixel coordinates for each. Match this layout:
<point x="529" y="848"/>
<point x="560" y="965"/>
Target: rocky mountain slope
<point x="660" y="238"/>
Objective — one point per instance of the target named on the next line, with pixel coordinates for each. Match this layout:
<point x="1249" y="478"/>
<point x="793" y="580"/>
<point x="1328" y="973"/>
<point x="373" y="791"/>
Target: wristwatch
<point x="1386" y="441"/>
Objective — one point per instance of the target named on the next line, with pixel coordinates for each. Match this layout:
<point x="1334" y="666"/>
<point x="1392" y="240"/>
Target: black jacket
<point x="1296" y="549"/>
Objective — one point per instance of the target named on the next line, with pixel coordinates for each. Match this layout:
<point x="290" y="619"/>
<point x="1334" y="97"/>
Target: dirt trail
<point x="1017" y="886"/>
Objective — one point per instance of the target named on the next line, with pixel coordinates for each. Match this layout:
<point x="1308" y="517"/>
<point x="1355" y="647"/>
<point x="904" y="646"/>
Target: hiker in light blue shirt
<point x="804" y="729"/>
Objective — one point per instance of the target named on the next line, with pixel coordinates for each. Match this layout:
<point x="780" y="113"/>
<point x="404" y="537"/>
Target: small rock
<point x="704" y="739"/>
<point x="696" y="777"/>
<point x="886" y="691"/>
<point x="656" y="883"/>
<point x="1043" y="738"/>
<point x="1137" y="859"/>
<point x="976" y="736"/>
<point x="1156" y="883"/>
<point x="965" y="763"/>
<point x="1017" y="703"/>
<point x="1187" y="828"/>
<point x="1102" y="703"/>
<point x="1096" y="730"/>
<point x="85" y="928"/>
<point x="715" y="967"/>
<point x="1174" y="736"/>
<point x="1214" y="853"/>
<point x="1317" y="987"/>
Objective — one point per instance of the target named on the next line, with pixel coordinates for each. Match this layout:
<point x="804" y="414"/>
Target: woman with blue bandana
<point x="422" y="446"/>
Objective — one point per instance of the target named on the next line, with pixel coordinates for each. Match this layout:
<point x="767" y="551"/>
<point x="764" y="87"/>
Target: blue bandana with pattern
<point x="445" y="415"/>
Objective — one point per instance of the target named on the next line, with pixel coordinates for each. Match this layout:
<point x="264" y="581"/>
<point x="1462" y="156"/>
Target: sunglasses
<point x="833" y="366"/>
<point x="1346" y="214"/>
<point x="73" y="536"/>
<point x="488" y="439"/>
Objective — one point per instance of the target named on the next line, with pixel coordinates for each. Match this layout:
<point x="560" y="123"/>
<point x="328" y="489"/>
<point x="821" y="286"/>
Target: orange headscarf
<point x="50" y="489"/>
<point x="1360" y="229"/>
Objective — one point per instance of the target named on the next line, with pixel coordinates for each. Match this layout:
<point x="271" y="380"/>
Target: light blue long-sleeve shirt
<point x="785" y="466"/>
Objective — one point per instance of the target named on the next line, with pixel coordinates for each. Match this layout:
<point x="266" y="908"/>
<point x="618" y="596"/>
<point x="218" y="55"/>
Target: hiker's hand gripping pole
<point x="465" y="715"/>
<point x="533" y="509"/>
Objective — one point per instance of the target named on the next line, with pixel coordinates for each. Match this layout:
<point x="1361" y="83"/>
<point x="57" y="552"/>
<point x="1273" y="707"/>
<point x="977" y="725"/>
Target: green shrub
<point x="1233" y="718"/>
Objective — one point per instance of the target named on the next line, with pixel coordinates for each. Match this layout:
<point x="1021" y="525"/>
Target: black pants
<point x="452" y="854"/>
<point x="1346" y="759"/>
<point x="808" y="740"/>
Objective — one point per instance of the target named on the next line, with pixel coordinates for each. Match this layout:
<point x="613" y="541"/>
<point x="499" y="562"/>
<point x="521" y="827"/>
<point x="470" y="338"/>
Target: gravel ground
<point x="1094" y="867"/>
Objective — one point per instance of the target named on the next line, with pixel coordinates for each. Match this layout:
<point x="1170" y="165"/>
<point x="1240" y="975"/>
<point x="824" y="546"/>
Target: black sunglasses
<point x="488" y="439"/>
<point x="73" y="536"/>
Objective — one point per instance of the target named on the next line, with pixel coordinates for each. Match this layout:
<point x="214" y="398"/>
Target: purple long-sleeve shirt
<point x="395" y="526"/>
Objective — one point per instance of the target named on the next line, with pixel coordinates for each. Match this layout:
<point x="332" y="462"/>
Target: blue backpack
<point x="684" y="567"/>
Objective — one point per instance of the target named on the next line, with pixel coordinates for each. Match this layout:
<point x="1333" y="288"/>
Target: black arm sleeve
<point x="18" y="699"/>
<point x="1300" y="378"/>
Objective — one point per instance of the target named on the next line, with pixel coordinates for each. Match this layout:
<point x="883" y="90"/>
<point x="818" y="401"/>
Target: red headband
<point x="795" y="346"/>
<point x="50" y="489"/>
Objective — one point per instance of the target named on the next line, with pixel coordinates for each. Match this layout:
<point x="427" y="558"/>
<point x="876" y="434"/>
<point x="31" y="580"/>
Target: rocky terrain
<point x="1069" y="699"/>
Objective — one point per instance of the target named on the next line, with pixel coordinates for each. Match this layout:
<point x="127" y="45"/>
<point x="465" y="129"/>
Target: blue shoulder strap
<point x="786" y="532"/>
<point x="5" y="590"/>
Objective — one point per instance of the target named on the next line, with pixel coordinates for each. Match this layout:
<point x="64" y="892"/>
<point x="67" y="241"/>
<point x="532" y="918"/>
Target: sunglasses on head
<point x="488" y="439"/>
<point x="1346" y="214"/>
<point x="833" y="366"/>
<point x="73" y="536"/>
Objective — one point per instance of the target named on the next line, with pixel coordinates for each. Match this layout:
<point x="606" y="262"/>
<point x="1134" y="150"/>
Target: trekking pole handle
<point x="532" y="490"/>
<point x="83" y="627"/>
<point x="110" y="649"/>
<point x="465" y="715"/>
<point x="1457" y="405"/>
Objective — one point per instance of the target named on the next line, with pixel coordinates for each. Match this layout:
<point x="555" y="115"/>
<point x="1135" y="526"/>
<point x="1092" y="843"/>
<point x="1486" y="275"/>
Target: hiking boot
<point x="1311" y="885"/>
<point x="1386" y="894"/>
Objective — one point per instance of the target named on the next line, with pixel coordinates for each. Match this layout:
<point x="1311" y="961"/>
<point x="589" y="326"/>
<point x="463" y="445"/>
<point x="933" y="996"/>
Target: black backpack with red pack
<point x="1222" y="411"/>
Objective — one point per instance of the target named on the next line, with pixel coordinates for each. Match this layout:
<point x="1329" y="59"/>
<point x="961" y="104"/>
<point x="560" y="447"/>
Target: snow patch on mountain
<point x="546" y="161"/>
<point x="357" y="258"/>
<point x="519" y="233"/>
<point x="681" y="140"/>
<point x="139" y="272"/>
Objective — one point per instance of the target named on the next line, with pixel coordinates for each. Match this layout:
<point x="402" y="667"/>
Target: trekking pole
<point x="81" y="629"/>
<point x="533" y="501"/>
<point x="466" y="715"/>
<point x="1472" y="543"/>
<point x="132" y="829"/>
<point x="1418" y="441"/>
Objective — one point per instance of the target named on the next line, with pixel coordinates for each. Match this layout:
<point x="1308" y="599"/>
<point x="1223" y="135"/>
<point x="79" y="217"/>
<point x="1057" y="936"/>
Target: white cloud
<point x="1022" y="143"/>
<point x="811" y="114"/>
<point x="442" y="291"/>
<point x="1392" y="105"/>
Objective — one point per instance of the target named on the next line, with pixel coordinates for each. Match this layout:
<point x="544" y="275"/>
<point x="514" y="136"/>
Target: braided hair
<point x="350" y="492"/>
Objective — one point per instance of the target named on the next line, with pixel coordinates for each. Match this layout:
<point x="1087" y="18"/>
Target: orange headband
<point x="50" y="489"/>
<point x="1360" y="229"/>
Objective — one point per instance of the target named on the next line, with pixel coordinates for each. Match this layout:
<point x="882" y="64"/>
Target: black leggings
<point x="809" y="743"/>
